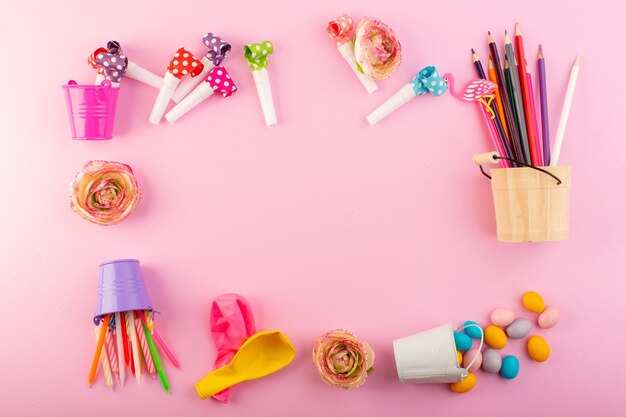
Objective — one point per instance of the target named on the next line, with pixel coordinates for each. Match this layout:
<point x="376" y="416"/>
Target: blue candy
<point x="462" y="341"/>
<point x="472" y="331"/>
<point x="510" y="367"/>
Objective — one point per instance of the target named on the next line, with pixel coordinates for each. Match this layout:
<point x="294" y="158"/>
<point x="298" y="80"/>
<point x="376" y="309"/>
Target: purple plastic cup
<point x="121" y="288"/>
<point x="91" y="109"/>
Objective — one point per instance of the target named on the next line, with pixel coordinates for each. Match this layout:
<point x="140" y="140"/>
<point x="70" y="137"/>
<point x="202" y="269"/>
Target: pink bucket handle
<point x="72" y="82"/>
<point x="104" y="91"/>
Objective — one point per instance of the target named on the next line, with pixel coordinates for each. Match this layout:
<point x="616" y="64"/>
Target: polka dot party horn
<point x="133" y="70"/>
<point x="218" y="81"/>
<point x="112" y="66"/>
<point x="183" y="63"/>
<point x="427" y="80"/>
<point x="218" y="49"/>
<point x="91" y="61"/>
<point x="340" y="30"/>
<point x="256" y="54"/>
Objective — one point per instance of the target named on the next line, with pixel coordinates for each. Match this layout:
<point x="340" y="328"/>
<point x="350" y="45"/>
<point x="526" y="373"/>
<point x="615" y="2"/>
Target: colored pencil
<point x="96" y="358"/>
<point x="543" y="98"/>
<point x="134" y="343"/>
<point x="517" y="98"/>
<point x="155" y="356"/>
<point x="106" y="368"/>
<point x="493" y="134"/>
<point x="529" y="105"/>
<point x="501" y="136"/>
<point x="492" y="77"/>
<point x="120" y="347"/>
<point x="531" y="96"/>
<point x="478" y="65"/>
<point x="509" y="113"/>
<point x="567" y="104"/>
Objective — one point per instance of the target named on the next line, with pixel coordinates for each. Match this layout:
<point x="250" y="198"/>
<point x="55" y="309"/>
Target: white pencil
<point x="119" y="328"/>
<point x="134" y="342"/>
<point x="567" y="103"/>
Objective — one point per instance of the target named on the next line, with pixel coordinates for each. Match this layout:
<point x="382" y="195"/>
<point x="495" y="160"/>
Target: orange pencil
<point x="96" y="358"/>
<point x="494" y="79"/>
<point x="528" y="104"/>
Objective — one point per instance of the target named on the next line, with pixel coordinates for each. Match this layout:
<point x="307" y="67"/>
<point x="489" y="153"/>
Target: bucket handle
<point x="493" y="157"/>
<point x="480" y="347"/>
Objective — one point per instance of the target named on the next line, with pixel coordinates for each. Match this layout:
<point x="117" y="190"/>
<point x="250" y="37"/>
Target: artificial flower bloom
<point x="104" y="192"/>
<point x="377" y="51"/>
<point x="342" y="360"/>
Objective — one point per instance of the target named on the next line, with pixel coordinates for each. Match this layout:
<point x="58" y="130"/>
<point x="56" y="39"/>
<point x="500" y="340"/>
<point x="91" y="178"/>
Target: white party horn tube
<point x="218" y="49"/>
<point x="264" y="90"/>
<point x="256" y="54"/>
<point x="401" y="97"/>
<point x="182" y="64"/>
<point x="197" y="96"/>
<point x="218" y="81"/>
<point x="340" y="31"/>
<point x="427" y="80"/>
<point x="189" y="83"/>
<point x="141" y="74"/>
<point x="347" y="52"/>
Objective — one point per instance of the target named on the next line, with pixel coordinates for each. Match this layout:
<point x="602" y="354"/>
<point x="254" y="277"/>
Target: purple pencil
<point x="543" y="97"/>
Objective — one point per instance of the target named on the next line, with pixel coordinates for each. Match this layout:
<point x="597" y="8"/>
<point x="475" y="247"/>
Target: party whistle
<point x="340" y="30"/>
<point x="427" y="80"/>
<point x="256" y="54"/>
<point x="218" y="49"/>
<point x="92" y="62"/>
<point x="133" y="70"/>
<point x="182" y="64"/>
<point x="218" y="81"/>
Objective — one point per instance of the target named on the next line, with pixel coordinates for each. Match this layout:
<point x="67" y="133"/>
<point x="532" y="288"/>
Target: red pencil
<point x="528" y="104"/>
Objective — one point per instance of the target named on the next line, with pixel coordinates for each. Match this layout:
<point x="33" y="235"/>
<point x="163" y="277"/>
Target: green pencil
<point x="155" y="357"/>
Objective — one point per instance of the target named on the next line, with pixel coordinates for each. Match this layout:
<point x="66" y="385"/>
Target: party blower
<point x="430" y="356"/>
<point x="218" y="49"/>
<point x="427" y="80"/>
<point x="340" y="30"/>
<point x="183" y="63"/>
<point x="256" y="54"/>
<point x="127" y="334"/>
<point x="112" y="64"/>
<point x="218" y="81"/>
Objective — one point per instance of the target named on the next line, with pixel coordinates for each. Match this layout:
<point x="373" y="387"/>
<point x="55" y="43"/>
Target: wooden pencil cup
<point x="530" y="205"/>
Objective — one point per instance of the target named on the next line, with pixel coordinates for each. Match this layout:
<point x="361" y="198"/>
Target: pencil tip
<point x="518" y="32"/>
<point x="473" y="51"/>
<point x="577" y="62"/>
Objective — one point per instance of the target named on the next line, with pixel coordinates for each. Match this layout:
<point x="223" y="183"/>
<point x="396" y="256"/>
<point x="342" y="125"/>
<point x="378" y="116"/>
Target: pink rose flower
<point x="377" y="51"/>
<point x="104" y="192"/>
<point x="342" y="360"/>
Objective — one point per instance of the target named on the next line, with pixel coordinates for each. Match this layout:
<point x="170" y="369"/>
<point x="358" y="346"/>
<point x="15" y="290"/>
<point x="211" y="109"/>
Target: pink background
<point x="321" y="222"/>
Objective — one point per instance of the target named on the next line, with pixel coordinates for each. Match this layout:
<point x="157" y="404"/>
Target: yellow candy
<point x="495" y="337"/>
<point x="533" y="302"/>
<point x="465" y="385"/>
<point x="538" y="348"/>
<point x="459" y="357"/>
